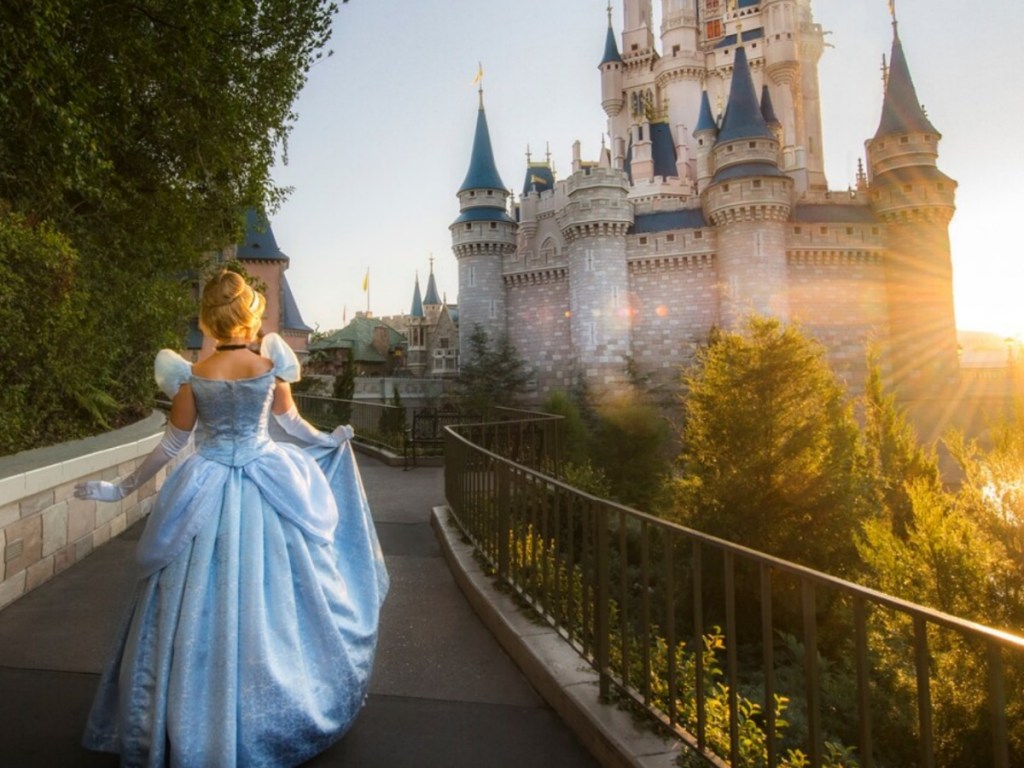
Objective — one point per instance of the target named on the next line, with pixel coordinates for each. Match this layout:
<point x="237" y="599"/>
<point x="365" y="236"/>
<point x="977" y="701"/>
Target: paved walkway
<point x="444" y="694"/>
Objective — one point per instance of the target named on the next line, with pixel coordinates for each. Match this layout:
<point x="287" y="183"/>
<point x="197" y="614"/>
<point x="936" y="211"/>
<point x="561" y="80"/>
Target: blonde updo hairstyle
<point x="230" y="308"/>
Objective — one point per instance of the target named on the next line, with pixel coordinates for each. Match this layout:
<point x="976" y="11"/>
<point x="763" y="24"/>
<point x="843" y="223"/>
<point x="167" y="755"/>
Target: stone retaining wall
<point x="44" y="529"/>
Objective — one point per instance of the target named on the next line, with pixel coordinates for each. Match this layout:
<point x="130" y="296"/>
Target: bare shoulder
<point x="232" y="367"/>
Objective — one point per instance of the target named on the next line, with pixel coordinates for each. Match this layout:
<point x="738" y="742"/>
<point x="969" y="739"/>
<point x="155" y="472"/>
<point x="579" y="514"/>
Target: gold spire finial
<point x="609" y="13"/>
<point x="479" y="79"/>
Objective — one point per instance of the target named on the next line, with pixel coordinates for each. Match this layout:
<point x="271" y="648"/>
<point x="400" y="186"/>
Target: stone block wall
<point x="675" y="305"/>
<point x="538" y="327"/>
<point x="44" y="529"/>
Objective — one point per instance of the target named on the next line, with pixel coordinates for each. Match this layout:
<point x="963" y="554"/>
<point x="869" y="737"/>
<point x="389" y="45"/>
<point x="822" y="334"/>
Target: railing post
<point x="997" y="701"/>
<point x="602" y="622"/>
<point x="504" y="501"/>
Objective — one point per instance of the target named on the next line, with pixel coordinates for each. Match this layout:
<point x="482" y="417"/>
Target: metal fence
<point x="749" y="659"/>
<point x="375" y="424"/>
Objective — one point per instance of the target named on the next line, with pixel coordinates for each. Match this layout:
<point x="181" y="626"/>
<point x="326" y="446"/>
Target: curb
<point x="556" y="671"/>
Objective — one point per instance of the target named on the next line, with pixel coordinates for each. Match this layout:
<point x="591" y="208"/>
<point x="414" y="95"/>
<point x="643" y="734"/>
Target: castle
<point x="710" y="203"/>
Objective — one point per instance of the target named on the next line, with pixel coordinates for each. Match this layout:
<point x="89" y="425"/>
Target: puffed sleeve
<point x="171" y="370"/>
<point x="286" y="364"/>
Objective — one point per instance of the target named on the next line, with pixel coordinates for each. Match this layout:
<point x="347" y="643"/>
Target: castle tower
<point x="916" y="201"/>
<point x="417" y="359"/>
<point x="594" y="223"/>
<point x="611" y="73"/>
<point x="749" y="201"/>
<point x="482" y="236"/>
<point x="432" y="299"/>
<point x="705" y="134"/>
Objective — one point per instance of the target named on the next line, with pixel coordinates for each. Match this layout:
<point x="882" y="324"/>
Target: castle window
<point x="823" y="230"/>
<point x="798" y="230"/>
<point x="494" y="309"/>
<point x="670" y="238"/>
<point x="472" y="193"/>
<point x="757" y="183"/>
<point x="490" y="192"/>
<point x="725" y="187"/>
<point x="874" y="230"/>
<point x="730" y="148"/>
<point x="443" y="342"/>
<point x="471" y="277"/>
<point x="675" y="50"/>
<point x="698" y="235"/>
<point x="849" y="230"/>
<point x="752" y="145"/>
<point x="643" y="241"/>
<point x="634" y="47"/>
<point x="469" y="226"/>
<point x="700" y="142"/>
<point x="588" y="261"/>
<point x="904" y="139"/>
<point x="941" y="187"/>
<point x="908" y="188"/>
<point x="494" y="225"/>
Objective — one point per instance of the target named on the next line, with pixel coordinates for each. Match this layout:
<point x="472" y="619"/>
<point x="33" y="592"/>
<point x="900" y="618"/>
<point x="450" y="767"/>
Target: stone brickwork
<point x="675" y="305"/>
<point x="538" y="304"/>
<point x="839" y="298"/>
<point x="44" y="529"/>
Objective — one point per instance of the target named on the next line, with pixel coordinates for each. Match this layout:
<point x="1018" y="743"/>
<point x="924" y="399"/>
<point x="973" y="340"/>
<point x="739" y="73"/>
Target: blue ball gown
<point x="252" y="632"/>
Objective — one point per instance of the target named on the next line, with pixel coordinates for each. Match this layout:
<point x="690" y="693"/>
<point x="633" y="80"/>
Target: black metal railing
<point x="376" y="424"/>
<point x="741" y="655"/>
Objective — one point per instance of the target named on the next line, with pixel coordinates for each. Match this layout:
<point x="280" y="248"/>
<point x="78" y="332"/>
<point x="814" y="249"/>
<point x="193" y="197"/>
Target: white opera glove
<point x="302" y="430"/>
<point x="173" y="441"/>
<point x="343" y="433"/>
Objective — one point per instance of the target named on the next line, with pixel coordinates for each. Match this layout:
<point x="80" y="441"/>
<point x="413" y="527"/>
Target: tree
<point x="770" y="455"/>
<point x="345" y="387"/>
<point x="894" y="457"/>
<point x="141" y="131"/>
<point x="492" y="374"/>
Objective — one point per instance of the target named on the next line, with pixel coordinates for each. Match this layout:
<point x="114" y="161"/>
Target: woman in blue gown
<point x="252" y="632"/>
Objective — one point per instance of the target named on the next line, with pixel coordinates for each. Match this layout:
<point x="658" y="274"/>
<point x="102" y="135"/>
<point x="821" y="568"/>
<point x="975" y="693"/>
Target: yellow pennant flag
<point x="366" y="281"/>
<point x="479" y="74"/>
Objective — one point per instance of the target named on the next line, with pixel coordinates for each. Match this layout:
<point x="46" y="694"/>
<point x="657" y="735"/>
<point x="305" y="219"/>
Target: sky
<point x="385" y="126"/>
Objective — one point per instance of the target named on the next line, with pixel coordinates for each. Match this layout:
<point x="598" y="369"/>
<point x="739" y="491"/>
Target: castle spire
<point x="901" y="111"/>
<point x="483" y="173"/>
<point x="432" y="298"/>
<point x="743" y="118"/>
<point x="706" y="120"/>
<point x="611" y="48"/>
<point x="417" y="302"/>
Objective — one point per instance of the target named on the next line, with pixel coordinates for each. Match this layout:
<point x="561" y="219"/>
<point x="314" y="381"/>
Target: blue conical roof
<point x="417" y="302"/>
<point x="611" y="48"/>
<point x="432" y="297"/>
<point x="743" y="118"/>
<point x="706" y="120"/>
<point x="767" y="110"/>
<point x="483" y="173"/>
<point x="901" y="110"/>
<point x="259" y="243"/>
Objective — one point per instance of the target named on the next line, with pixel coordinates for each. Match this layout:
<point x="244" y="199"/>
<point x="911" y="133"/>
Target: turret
<point x="612" y="97"/>
<point x="417" y="352"/>
<point x="916" y="201"/>
<point x="482" y="236"/>
<point x="594" y="223"/>
<point x="705" y="134"/>
<point x="749" y="200"/>
<point x="638" y="34"/>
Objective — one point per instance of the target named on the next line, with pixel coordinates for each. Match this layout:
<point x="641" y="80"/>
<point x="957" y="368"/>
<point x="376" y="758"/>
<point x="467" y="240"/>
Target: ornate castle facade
<point x="708" y="204"/>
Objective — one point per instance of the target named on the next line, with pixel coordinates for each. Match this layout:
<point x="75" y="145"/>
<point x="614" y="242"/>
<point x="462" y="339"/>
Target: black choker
<point x="226" y="347"/>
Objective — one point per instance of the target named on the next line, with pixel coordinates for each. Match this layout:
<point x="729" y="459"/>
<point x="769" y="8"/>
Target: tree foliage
<point x="140" y="131"/>
<point x="770" y="455"/>
<point x="492" y="373"/>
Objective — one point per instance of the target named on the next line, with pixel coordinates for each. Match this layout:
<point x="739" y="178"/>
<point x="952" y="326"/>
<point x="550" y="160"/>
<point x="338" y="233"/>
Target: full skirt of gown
<point x="254" y="644"/>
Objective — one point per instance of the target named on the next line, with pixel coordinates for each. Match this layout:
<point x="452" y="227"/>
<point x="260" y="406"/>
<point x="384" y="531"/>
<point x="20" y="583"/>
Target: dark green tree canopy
<point x="139" y="131"/>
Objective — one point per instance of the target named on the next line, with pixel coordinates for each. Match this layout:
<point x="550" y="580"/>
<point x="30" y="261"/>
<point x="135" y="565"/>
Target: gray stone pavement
<point x="443" y="695"/>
